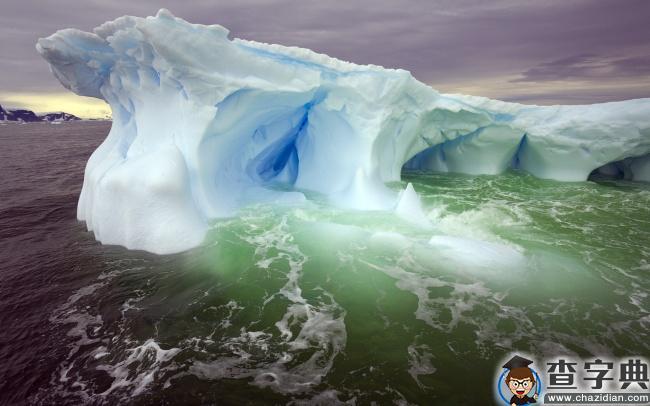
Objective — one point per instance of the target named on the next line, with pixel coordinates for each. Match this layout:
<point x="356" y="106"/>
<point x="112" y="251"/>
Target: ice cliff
<point x="204" y="124"/>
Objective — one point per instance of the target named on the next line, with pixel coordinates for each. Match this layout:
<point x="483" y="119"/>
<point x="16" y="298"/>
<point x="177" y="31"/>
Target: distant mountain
<point x="60" y="116"/>
<point x="28" y="116"/>
<point x="21" y="115"/>
<point x="3" y="114"/>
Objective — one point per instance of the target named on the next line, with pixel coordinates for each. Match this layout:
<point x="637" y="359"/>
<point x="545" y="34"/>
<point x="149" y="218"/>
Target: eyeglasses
<point x="516" y="383"/>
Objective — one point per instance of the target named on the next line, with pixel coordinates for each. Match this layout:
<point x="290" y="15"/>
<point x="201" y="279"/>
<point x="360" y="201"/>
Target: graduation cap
<point x="517" y="362"/>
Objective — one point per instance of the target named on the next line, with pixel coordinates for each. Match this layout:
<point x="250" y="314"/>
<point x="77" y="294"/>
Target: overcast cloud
<point x="551" y="51"/>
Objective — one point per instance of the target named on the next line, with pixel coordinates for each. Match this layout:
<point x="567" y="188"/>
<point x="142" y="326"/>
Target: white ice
<point x="204" y="124"/>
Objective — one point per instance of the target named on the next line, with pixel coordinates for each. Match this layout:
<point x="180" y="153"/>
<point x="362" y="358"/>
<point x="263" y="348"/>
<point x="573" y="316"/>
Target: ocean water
<point x="311" y="304"/>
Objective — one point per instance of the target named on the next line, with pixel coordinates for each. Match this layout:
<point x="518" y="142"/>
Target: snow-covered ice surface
<point x="204" y="125"/>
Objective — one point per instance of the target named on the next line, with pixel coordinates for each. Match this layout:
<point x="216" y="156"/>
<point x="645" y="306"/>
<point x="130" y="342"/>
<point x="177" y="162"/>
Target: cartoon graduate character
<point x="520" y="380"/>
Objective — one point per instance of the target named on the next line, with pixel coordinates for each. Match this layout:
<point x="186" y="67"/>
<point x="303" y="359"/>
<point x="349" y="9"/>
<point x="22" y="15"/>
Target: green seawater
<point x="310" y="303"/>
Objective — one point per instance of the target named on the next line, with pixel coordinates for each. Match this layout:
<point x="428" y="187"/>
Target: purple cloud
<point x="588" y="67"/>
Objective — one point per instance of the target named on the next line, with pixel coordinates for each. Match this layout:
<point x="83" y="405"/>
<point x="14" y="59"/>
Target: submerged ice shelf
<point x="203" y="125"/>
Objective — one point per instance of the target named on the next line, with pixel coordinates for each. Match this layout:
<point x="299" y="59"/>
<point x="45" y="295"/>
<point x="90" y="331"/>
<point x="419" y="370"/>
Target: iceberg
<point x="204" y="124"/>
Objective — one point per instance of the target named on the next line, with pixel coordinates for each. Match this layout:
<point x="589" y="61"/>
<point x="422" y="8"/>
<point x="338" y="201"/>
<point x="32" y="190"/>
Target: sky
<point x="534" y="52"/>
